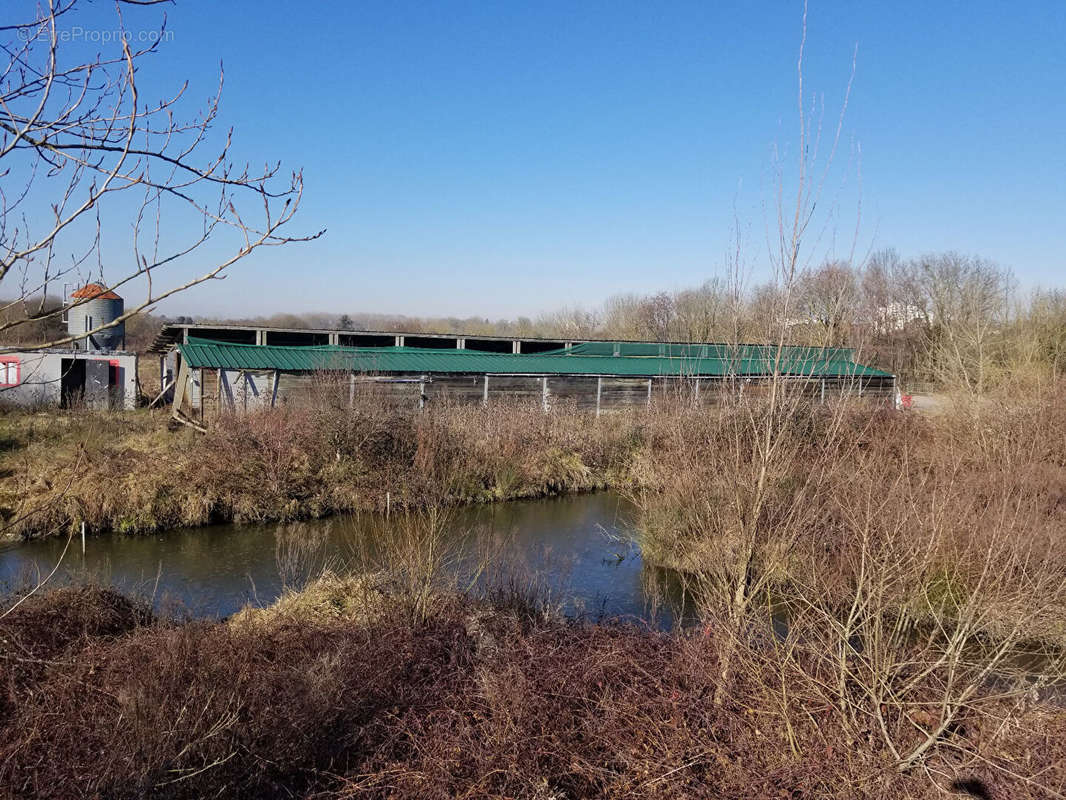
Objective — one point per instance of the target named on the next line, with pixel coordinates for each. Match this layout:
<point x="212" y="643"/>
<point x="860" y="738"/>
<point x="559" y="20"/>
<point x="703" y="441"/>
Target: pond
<point x="575" y="550"/>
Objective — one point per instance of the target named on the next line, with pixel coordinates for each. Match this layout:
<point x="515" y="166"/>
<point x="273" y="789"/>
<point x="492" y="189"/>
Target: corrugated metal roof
<point x="718" y="350"/>
<point x="408" y="360"/>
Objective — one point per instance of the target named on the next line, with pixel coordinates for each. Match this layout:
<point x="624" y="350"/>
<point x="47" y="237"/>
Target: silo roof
<point x="94" y="291"/>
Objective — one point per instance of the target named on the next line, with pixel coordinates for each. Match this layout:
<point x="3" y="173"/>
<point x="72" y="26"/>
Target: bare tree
<point x="768" y="425"/>
<point x="827" y="298"/>
<point x="86" y="163"/>
<point x="967" y="302"/>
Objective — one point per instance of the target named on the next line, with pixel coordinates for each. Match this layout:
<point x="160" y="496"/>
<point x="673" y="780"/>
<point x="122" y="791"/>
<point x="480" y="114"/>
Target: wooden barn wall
<point x="577" y="391"/>
<point x="622" y="393"/>
<point x="457" y="389"/>
<point x="514" y="387"/>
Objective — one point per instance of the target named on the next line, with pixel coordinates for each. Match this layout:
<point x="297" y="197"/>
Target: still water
<point x="575" y="550"/>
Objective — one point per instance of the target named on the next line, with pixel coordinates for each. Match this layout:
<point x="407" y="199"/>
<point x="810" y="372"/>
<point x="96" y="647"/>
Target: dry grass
<point x="470" y="702"/>
<point x="882" y="594"/>
<point x="888" y="569"/>
<point x="126" y="472"/>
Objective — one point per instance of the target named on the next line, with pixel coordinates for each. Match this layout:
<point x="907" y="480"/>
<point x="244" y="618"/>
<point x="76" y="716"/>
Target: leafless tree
<point x="827" y="297"/>
<point x="85" y="162"/>
<point x="967" y="302"/>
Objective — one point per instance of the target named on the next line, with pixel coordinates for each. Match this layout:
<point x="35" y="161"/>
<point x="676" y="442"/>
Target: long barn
<point x="212" y="376"/>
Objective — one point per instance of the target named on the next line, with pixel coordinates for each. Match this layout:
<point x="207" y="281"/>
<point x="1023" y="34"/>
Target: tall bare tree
<point x="90" y="169"/>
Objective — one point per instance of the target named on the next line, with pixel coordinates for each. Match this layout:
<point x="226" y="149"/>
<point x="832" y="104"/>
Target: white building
<point x="68" y="378"/>
<point x="94" y="371"/>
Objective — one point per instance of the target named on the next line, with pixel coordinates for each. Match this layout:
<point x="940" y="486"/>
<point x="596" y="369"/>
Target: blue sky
<point x="499" y="159"/>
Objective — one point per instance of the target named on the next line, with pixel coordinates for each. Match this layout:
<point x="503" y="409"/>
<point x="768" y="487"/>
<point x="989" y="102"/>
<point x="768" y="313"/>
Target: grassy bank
<point x="316" y="699"/>
<point x="128" y="473"/>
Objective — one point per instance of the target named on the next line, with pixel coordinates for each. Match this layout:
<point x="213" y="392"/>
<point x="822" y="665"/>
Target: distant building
<point x="217" y="369"/>
<point x="93" y="371"/>
<point x="897" y="316"/>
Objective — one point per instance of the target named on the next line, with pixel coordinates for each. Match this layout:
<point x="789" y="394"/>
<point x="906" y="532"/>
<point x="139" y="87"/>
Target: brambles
<point x="890" y="569"/>
<point x="470" y="701"/>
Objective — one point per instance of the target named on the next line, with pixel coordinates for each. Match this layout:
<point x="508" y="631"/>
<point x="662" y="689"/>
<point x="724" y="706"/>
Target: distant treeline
<point x="946" y="318"/>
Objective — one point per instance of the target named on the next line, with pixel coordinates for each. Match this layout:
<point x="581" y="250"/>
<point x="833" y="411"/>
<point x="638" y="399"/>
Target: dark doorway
<point x="72" y="383"/>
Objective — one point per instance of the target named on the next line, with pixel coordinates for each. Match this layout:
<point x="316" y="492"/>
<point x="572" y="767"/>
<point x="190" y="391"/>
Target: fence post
<point x="599" y="393"/>
<point x="649" y="393"/>
<point x="544" y="392"/>
<point x="822" y="398"/>
<point x="485" y="392"/>
<point x="351" y="390"/>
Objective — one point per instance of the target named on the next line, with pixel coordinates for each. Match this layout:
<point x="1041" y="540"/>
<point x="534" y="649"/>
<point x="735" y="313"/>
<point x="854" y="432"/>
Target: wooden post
<point x="421" y="395"/>
<point x="649" y="392"/>
<point x="544" y="392"/>
<point x="83" y="537"/>
<point x="822" y="397"/>
<point x="351" y="390"/>
<point x="599" y="393"/>
<point x="180" y="388"/>
<point x="697" y="391"/>
<point x="485" y="392"/>
<point x="274" y="390"/>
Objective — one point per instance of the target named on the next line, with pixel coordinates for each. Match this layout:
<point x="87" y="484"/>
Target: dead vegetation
<point x="127" y="473"/>
<point x="882" y="597"/>
<point x="467" y="702"/>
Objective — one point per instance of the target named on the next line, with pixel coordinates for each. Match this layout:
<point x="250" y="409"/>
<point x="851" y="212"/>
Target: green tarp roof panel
<point x="712" y="350"/>
<point x="412" y="360"/>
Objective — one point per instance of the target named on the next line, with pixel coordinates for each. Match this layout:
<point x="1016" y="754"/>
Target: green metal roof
<point x="411" y="360"/>
<point x="719" y="350"/>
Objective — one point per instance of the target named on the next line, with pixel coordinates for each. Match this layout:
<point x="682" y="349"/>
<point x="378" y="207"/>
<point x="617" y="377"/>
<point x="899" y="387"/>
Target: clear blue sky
<point x="499" y="159"/>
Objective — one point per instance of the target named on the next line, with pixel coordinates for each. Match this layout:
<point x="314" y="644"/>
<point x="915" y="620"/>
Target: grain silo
<point x="92" y="306"/>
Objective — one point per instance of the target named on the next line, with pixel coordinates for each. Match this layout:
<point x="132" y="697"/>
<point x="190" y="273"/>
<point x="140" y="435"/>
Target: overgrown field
<point x="361" y="699"/>
<point x="881" y="596"/>
<point x="127" y="472"/>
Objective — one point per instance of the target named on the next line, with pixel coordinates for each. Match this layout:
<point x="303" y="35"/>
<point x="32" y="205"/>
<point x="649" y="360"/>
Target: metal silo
<point x="96" y="306"/>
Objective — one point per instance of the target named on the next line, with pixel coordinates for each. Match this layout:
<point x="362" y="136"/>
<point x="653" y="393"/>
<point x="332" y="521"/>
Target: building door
<point x="97" y="383"/>
<point x="72" y="382"/>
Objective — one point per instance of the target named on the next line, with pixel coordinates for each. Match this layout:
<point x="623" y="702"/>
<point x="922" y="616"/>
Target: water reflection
<point x="574" y="551"/>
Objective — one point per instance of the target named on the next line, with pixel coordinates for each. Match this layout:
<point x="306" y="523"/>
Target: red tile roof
<point x="91" y="291"/>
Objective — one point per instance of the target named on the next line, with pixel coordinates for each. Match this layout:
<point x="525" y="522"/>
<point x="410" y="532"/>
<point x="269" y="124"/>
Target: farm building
<point x="219" y="375"/>
<point x="93" y="371"/>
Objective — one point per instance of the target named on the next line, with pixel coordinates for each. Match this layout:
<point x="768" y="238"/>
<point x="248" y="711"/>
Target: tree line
<point x="946" y="318"/>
